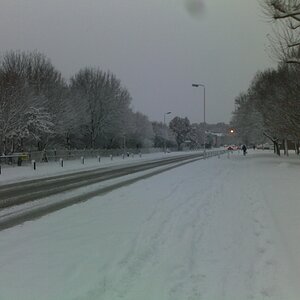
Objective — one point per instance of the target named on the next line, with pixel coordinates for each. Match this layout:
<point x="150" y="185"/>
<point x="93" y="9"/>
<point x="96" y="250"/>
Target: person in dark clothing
<point x="244" y="148"/>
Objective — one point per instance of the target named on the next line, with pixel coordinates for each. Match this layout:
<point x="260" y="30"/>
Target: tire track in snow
<point x="229" y="238"/>
<point x="196" y="218"/>
<point x="140" y="254"/>
<point x="271" y="242"/>
<point x="265" y="276"/>
<point x="168" y="222"/>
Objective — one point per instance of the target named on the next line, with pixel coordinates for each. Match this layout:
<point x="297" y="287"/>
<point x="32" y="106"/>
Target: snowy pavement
<point x="213" y="229"/>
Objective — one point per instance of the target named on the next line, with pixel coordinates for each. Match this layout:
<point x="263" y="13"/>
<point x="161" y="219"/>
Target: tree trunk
<point x="286" y="150"/>
<point x="41" y="146"/>
<point x="22" y="145"/>
<point x="68" y="140"/>
<point x="298" y="150"/>
<point x="92" y="139"/>
<point x="296" y="144"/>
<point x="12" y="148"/>
<point x="277" y="148"/>
<point x="5" y="146"/>
<point x="275" y="142"/>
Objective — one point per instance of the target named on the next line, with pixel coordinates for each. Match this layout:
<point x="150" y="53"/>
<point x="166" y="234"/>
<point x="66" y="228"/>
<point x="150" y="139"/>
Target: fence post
<point x="140" y="154"/>
<point x="111" y="157"/>
<point x="61" y="161"/>
<point x="33" y="164"/>
<point x="123" y="155"/>
<point x="98" y="157"/>
<point x="82" y="160"/>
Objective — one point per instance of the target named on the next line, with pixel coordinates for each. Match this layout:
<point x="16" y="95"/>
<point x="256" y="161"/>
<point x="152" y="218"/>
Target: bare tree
<point x="141" y="132"/>
<point x="181" y="128"/>
<point x="285" y="41"/>
<point x="102" y="102"/>
<point x="162" y="134"/>
<point x="271" y="106"/>
<point x="247" y="121"/>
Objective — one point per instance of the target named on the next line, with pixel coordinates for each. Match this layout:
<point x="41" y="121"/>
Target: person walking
<point x="244" y="148"/>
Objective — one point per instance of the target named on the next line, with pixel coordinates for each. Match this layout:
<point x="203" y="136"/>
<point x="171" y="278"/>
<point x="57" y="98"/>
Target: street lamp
<point x="167" y="113"/>
<point x="204" y="139"/>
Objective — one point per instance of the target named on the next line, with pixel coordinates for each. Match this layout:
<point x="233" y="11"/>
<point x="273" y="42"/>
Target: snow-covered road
<point x="215" y="229"/>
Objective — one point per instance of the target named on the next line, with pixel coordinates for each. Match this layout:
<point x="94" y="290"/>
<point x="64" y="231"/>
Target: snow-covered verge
<point x="214" y="229"/>
<point x="15" y="173"/>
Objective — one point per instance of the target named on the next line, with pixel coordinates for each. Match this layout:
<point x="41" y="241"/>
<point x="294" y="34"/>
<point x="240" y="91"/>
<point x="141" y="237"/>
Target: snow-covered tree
<point x="29" y="85"/>
<point x="22" y="119"/>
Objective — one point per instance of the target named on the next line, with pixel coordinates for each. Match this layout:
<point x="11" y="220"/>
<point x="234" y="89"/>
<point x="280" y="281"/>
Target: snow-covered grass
<point x="214" y="229"/>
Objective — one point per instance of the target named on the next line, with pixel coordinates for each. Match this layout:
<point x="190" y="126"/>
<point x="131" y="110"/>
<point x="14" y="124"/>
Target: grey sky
<point x="155" y="47"/>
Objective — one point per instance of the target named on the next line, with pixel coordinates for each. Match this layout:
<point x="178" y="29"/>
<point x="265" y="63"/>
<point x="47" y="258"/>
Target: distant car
<point x="230" y="148"/>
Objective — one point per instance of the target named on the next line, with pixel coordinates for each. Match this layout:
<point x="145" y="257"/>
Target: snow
<point x="213" y="229"/>
<point x="15" y="173"/>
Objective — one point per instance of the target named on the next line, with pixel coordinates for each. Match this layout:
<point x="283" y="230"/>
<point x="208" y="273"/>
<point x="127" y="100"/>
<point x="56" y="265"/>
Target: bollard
<point x="33" y="164"/>
<point x="82" y="160"/>
<point x="111" y="157"/>
<point x="98" y="157"/>
<point x="61" y="161"/>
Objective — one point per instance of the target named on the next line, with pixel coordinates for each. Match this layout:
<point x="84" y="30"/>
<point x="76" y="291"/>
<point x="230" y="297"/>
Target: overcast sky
<point x="158" y="48"/>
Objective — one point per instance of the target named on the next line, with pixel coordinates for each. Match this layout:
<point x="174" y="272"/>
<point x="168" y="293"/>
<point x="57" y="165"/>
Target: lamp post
<point x="167" y="113"/>
<point x="204" y="138"/>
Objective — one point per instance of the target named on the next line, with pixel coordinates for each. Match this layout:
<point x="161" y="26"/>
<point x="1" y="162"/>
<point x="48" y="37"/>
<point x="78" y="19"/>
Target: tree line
<point x="40" y="109"/>
<point x="270" y="108"/>
<point x="191" y="135"/>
